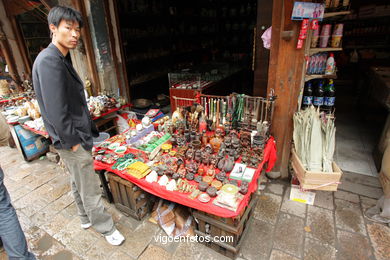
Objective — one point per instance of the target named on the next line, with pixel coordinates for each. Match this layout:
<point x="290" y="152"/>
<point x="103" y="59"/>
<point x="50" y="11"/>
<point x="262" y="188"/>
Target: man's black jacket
<point x="61" y="98"/>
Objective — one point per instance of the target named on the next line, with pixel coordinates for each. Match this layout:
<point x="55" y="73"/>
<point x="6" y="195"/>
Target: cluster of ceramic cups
<point x="322" y="39"/>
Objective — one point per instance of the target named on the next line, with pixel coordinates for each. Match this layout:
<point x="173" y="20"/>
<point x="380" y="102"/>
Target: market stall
<point x="207" y="157"/>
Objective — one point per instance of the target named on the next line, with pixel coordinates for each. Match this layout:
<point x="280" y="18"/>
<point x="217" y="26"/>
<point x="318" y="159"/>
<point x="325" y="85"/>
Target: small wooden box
<point x="207" y="225"/>
<point x="312" y="180"/>
<point x="129" y="198"/>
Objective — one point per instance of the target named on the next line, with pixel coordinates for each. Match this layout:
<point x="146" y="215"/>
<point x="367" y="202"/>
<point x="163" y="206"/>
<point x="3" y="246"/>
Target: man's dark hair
<point x="59" y="13"/>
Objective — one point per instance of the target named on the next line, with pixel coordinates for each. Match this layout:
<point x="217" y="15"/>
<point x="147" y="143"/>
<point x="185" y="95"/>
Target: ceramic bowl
<point x="113" y="146"/>
<point x="204" y="197"/>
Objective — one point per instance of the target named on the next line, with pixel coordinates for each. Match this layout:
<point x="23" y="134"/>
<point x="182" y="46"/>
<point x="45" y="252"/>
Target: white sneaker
<point x="86" y="225"/>
<point x="115" y="238"/>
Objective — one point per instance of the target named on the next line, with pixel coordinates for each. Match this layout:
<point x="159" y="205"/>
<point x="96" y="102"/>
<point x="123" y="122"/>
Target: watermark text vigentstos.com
<point x="201" y="239"/>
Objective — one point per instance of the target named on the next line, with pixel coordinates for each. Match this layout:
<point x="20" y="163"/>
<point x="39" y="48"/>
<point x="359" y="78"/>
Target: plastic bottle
<point x="330" y="96"/>
<point x="307" y="95"/>
<point x="330" y="65"/>
<point x="319" y="95"/>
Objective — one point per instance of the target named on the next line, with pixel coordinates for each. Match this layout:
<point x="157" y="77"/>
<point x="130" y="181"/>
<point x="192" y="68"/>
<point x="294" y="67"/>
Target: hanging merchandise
<point x="266" y="37"/>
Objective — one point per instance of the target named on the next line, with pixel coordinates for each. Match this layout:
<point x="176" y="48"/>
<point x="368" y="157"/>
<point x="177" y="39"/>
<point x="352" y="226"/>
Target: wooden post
<point x="86" y="33"/>
<point x="284" y="77"/>
<point x="8" y="56"/>
<point x="264" y="20"/>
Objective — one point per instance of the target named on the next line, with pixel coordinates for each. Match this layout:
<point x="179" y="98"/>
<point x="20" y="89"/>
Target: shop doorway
<point x="362" y="96"/>
<point x="207" y="37"/>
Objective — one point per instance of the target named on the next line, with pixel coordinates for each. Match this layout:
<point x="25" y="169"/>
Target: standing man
<point x="11" y="234"/>
<point x="64" y="110"/>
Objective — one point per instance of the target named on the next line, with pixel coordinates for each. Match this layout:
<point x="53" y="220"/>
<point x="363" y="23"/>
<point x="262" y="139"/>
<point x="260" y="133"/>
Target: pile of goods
<point x="103" y="103"/>
<point x="197" y="152"/>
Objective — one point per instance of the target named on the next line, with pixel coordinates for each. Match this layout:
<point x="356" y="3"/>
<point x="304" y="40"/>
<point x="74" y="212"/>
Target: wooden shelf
<point x="317" y="50"/>
<point x="332" y="14"/>
<point x="320" y="76"/>
<point x="379" y="46"/>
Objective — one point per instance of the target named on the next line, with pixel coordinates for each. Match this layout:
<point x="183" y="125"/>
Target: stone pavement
<point x="334" y="228"/>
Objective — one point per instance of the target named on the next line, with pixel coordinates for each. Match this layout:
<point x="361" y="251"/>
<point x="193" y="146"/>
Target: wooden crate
<point x="211" y="225"/>
<point x="312" y="180"/>
<point x="129" y="198"/>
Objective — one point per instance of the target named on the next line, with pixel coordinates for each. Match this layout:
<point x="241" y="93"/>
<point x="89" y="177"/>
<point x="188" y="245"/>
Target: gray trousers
<point x="11" y="233"/>
<point x="86" y="190"/>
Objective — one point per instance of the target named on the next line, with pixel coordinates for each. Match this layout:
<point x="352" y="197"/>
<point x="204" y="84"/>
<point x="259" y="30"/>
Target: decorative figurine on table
<point x="211" y="171"/>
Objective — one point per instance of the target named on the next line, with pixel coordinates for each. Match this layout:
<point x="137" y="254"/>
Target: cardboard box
<point x="316" y="180"/>
<point x="33" y="145"/>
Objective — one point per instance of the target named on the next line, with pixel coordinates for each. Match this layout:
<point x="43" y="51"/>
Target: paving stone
<point x="380" y="237"/>
<point x="258" y="241"/>
<point x="367" y="202"/>
<point x="276" y="188"/>
<point x="187" y="251"/>
<point x="155" y="253"/>
<point x="68" y="231"/>
<point x="289" y="234"/>
<point x="120" y="255"/>
<point x="315" y="250"/>
<point x="353" y="246"/>
<point x="348" y="196"/>
<point x="209" y="254"/>
<point x="56" y="224"/>
<point x="169" y="246"/>
<point x="321" y="225"/>
<point x="279" y="255"/>
<point x="360" y="179"/>
<point x="349" y="217"/>
<point x="101" y="250"/>
<point x="137" y="240"/>
<point x="81" y="241"/>
<point x="354" y="183"/>
<point x="267" y="208"/>
<point x="18" y="193"/>
<point x="293" y="207"/>
<point x="324" y="199"/>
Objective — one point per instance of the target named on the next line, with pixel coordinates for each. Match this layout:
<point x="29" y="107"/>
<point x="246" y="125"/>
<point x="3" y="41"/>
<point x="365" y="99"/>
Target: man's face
<point x="66" y="34"/>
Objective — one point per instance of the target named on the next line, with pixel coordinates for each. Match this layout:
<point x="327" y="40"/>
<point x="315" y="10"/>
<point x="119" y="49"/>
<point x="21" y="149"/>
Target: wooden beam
<point x="9" y="58"/>
<point x="87" y="39"/>
<point x="126" y="92"/>
<point x="284" y="77"/>
<point x="264" y="21"/>
<point x="19" y="39"/>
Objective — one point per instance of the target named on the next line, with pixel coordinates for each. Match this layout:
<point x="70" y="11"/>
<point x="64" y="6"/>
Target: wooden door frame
<point x="286" y="69"/>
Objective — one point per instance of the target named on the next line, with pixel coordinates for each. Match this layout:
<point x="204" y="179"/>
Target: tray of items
<point x="210" y="169"/>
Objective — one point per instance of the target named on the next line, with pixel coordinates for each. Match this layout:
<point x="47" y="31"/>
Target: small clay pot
<point x="190" y="176"/>
<point x="244" y="190"/>
<point x="187" y="135"/>
<point x="211" y="191"/>
<point x="198" y="178"/>
<point x="221" y="176"/>
<point x="196" y="144"/>
<point x="203" y="186"/>
<point x="175" y="176"/>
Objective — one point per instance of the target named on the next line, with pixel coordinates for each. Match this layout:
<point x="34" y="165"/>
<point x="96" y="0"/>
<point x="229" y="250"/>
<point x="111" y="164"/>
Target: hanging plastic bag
<point x="266" y="37"/>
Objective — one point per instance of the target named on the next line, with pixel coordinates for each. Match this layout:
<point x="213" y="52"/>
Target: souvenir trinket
<point x="198" y="178"/>
<point x="190" y="176"/>
<point x="221" y="176"/>
<point x="194" y="194"/>
<point x="151" y="177"/>
<point x="207" y="179"/>
<point x="217" y="184"/>
<point x="171" y="186"/>
<point x="163" y="180"/>
<point x="211" y="191"/>
<point x="211" y="171"/>
<point x="204" y="197"/>
<point x="203" y="186"/>
<point x="175" y="176"/>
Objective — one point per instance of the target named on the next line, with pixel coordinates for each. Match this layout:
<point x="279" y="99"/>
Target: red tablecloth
<point x="182" y="198"/>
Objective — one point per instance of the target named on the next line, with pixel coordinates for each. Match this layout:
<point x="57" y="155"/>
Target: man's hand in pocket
<point x="75" y="148"/>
